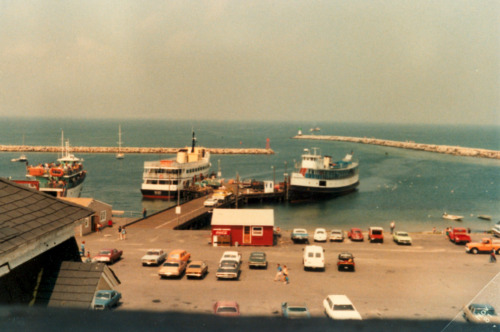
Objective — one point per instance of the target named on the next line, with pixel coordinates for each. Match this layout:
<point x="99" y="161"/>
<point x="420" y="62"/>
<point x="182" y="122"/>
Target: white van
<point x="314" y="257"/>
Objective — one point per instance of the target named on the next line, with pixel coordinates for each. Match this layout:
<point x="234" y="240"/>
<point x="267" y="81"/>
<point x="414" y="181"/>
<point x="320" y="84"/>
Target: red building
<point x="248" y="227"/>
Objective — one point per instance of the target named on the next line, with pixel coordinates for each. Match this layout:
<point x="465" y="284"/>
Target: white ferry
<point x="164" y="179"/>
<point x="63" y="178"/>
<point x="320" y="176"/>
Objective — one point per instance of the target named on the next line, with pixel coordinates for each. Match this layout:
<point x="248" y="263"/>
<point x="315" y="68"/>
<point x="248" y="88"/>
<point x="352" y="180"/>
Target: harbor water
<point x="413" y="188"/>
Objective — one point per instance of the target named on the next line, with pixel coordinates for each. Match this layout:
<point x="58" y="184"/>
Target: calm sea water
<point x="410" y="187"/>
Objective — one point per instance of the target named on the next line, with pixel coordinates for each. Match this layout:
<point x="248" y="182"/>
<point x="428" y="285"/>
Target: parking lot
<point x="432" y="279"/>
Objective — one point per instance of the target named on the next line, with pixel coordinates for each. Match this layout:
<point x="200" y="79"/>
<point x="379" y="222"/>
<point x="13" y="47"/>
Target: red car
<point x="355" y="234"/>
<point x="226" y="308"/>
<point x="459" y="235"/>
<point x="108" y="256"/>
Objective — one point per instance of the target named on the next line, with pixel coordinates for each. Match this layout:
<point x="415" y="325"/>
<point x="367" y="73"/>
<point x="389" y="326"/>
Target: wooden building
<point x="101" y="217"/>
<point x="247" y="227"/>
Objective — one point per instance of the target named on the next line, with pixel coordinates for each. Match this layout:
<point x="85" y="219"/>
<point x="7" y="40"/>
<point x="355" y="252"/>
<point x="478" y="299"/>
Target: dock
<point x="127" y="150"/>
<point x="445" y="149"/>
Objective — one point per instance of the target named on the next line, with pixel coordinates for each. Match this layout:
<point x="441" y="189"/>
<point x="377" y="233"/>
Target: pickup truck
<point x="300" y="235"/>
<point x="486" y="245"/>
<point x="459" y="235"/>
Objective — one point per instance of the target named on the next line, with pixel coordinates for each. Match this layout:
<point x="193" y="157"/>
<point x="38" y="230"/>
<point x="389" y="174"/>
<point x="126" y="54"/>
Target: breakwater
<point x="126" y="150"/>
<point x="445" y="149"/>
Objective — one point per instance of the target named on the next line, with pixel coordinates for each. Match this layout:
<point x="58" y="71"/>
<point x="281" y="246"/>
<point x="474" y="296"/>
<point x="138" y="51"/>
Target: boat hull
<point x="297" y="192"/>
<point x="158" y="194"/>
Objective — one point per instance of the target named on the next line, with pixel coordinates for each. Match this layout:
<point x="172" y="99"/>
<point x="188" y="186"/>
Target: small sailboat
<point x="22" y="157"/>
<point x="120" y="154"/>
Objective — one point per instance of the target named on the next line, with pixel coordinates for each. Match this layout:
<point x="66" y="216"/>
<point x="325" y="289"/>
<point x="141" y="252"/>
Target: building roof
<point x="74" y="284"/>
<point x="28" y="216"/>
<point x="83" y="201"/>
<point x="245" y="217"/>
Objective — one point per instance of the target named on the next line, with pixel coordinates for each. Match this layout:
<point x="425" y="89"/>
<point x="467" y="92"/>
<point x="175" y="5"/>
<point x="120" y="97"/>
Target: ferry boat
<point x="320" y="177"/>
<point x="165" y="179"/>
<point x="64" y="178"/>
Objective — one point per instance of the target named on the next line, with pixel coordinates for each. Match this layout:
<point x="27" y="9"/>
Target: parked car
<point x="154" y="257"/>
<point x="228" y="269"/>
<point x="300" y="235"/>
<point x="211" y="202"/>
<point x="320" y="235"/>
<point x="172" y="268"/>
<point x="295" y="310"/>
<point x="179" y="254"/>
<point x="401" y="237"/>
<point x="486" y="245"/>
<point x="231" y="255"/>
<point x="355" y="234"/>
<point x="376" y="234"/>
<point x="337" y="235"/>
<point x="459" y="235"/>
<point x="105" y="299"/>
<point x="346" y="262"/>
<point x="257" y="259"/>
<point x="226" y="308"/>
<point x="314" y="257"/>
<point x="196" y="269"/>
<point x="340" y="307"/>
<point x="480" y="313"/>
<point x="108" y="256"/>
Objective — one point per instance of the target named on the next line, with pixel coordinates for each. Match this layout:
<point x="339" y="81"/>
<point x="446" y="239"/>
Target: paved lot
<point x="432" y="279"/>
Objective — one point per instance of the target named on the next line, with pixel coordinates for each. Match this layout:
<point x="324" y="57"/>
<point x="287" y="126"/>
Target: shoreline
<point x="444" y="149"/>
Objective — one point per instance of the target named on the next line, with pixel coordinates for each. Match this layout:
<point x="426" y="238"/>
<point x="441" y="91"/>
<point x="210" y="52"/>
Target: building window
<point x="103" y="216"/>
<point x="257" y="231"/>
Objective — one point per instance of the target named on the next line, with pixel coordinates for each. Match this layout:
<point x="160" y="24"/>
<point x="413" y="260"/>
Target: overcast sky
<point x="409" y="61"/>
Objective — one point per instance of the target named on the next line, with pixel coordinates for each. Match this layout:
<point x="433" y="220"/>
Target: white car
<point x="320" y="235"/>
<point x="336" y="235"/>
<point x="314" y="257"/>
<point x="231" y="256"/>
<point x="210" y="202"/>
<point x="154" y="257"/>
<point x="340" y="307"/>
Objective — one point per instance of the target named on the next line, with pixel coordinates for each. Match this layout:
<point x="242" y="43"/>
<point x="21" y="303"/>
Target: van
<point x="314" y="258"/>
<point x="376" y="234"/>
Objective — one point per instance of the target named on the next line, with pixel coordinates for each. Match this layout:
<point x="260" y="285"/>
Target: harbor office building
<point x="248" y="227"/>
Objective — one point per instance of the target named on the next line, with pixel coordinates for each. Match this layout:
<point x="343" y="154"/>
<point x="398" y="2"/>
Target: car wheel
<point x="498" y="252"/>
<point x="474" y="251"/>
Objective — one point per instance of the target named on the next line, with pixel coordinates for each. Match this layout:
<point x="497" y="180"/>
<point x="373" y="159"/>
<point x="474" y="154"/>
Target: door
<point x="247" y="236"/>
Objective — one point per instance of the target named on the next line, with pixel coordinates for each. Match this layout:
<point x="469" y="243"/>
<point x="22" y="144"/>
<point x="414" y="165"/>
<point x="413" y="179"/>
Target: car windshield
<point x="402" y="234"/>
<point x="343" y="307"/>
<point x="320" y="232"/>
<point x="226" y="309"/>
<point x="357" y="232"/>
<point x="257" y="255"/>
<point x="300" y="231"/>
<point x="228" y="265"/>
<point x="376" y="232"/>
<point x="171" y="264"/>
<point x="104" y="296"/>
<point x="104" y="252"/>
<point x="345" y="256"/>
<point x="297" y="309"/>
<point x="153" y="253"/>
<point x="175" y="256"/>
<point x="194" y="266"/>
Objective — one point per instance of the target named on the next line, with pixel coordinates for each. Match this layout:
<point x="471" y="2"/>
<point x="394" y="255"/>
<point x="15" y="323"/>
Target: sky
<point x="311" y="61"/>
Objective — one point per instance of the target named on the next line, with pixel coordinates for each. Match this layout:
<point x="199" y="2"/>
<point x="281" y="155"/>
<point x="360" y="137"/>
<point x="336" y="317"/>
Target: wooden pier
<point x="126" y="150"/>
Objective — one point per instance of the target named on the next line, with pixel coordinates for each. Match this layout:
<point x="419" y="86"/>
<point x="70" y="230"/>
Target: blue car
<point x="106" y="299"/>
<point x="295" y="310"/>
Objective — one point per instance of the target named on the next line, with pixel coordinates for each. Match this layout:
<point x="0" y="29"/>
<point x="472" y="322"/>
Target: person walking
<point x="82" y="249"/>
<point x="286" y="281"/>
<point x="120" y="235"/>
<point x="144" y="213"/>
<point x="393" y="225"/>
<point x="493" y="258"/>
<point x="124" y="233"/>
<point x="279" y="272"/>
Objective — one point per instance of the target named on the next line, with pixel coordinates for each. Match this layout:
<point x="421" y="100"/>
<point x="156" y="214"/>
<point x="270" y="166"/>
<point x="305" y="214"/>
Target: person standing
<point x="493" y="258"/>
<point x="144" y="213"/>
<point x="279" y="272"/>
<point x="393" y="225"/>
<point x="124" y="233"/>
<point x="286" y="281"/>
<point x="82" y="249"/>
<point x="120" y="235"/>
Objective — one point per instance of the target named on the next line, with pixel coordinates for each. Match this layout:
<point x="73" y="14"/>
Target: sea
<point x="411" y="188"/>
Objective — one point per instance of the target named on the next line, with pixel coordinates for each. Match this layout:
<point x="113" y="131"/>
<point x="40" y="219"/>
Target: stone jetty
<point x="446" y="149"/>
<point x="126" y="150"/>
